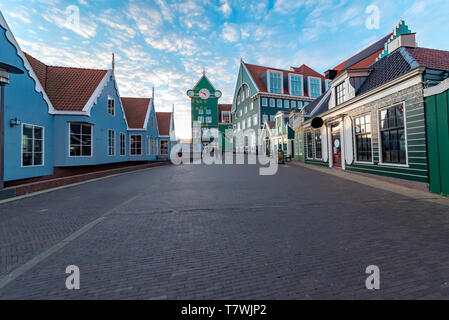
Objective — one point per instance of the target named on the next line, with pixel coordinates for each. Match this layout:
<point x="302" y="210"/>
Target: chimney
<point x="404" y="40"/>
<point x="113" y="62"/>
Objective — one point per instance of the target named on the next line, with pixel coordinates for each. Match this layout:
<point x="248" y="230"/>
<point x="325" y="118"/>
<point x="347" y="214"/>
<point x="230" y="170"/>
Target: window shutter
<point x="349" y="153"/>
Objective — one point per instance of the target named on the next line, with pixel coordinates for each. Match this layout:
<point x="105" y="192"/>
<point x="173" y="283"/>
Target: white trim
<point x="321" y="86"/>
<point x="120" y="144"/>
<point x="354" y="134"/>
<point x="290" y="84"/>
<point x="114" y="146"/>
<point x="91" y="143"/>
<point x="141" y="145"/>
<point x="113" y="111"/>
<point x="38" y="87"/>
<point x="269" y="71"/>
<point x="381" y="162"/>
<point x="438" y="89"/>
<point x="97" y="93"/>
<point x="250" y="76"/>
<point x="21" y="145"/>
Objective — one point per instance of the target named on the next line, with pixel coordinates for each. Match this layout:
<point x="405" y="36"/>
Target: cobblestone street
<point x="223" y="232"/>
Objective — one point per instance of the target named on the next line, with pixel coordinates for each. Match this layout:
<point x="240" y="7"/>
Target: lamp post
<point x="5" y="71"/>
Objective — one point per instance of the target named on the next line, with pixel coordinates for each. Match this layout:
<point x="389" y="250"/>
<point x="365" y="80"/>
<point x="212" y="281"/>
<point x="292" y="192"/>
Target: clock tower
<point x="205" y="114"/>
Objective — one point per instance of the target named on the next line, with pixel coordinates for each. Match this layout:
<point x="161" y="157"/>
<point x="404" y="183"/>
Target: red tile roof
<point x="221" y="108"/>
<point x="69" y="89"/>
<point x="431" y="58"/>
<point x="163" y="122"/>
<point x="136" y="110"/>
<point x="258" y="71"/>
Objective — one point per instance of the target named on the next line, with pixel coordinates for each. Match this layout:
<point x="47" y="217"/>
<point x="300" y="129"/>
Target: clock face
<point x="204" y="94"/>
<point x="218" y="94"/>
<point x="191" y="93"/>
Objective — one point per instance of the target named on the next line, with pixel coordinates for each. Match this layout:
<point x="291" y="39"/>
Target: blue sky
<point x="167" y="44"/>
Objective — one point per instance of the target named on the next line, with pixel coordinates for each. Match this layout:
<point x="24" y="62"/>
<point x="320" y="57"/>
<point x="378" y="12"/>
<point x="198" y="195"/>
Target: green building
<point x="262" y="92"/>
<point x="209" y="118"/>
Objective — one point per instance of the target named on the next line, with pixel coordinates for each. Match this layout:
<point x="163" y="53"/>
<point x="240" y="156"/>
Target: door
<point x="336" y="149"/>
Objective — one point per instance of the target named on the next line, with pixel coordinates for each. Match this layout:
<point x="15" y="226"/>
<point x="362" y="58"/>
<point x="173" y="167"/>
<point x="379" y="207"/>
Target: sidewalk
<point x="406" y="188"/>
<point x="16" y="192"/>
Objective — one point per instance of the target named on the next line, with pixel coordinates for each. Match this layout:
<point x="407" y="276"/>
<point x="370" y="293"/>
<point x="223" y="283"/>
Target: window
<point x="255" y="120"/>
<point x="265" y="118"/>
<point x="111" y="106"/>
<point x="247" y="92"/>
<point x="328" y="84"/>
<point x="208" y="112"/>
<point x="315" y="87"/>
<point x="32" y="145"/>
<point x="393" y="135"/>
<point x="271" y="117"/>
<point x="240" y="112"/>
<point x="148" y="145"/>
<point x="299" y="104"/>
<point x="80" y="140"/>
<point x="164" y="147"/>
<point x="305" y="104"/>
<point x="340" y="93"/>
<point x="248" y="122"/>
<point x="309" y="140"/>
<point x="296" y="85"/>
<point x="111" y="142"/>
<point x="318" y="145"/>
<point x="272" y="103"/>
<point x="246" y="109"/>
<point x="264" y="102"/>
<point x="226" y="116"/>
<point x="286" y="104"/>
<point x="201" y="119"/>
<point x="252" y="105"/>
<point x="200" y="111"/>
<point x="293" y="104"/>
<point x="279" y="103"/>
<point x="363" y="138"/>
<point x="275" y="82"/>
<point x="208" y="120"/>
<point x="136" y="145"/>
<point x="122" y="144"/>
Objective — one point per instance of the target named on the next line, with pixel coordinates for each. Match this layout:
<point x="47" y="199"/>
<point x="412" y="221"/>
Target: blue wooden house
<point x="29" y="127"/>
<point x="143" y="137"/>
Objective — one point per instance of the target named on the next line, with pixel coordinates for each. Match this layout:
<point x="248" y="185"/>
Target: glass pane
<point x="27" y="159"/>
<point x="75" y="140"/>
<point x="75" y="128"/>
<point x="383" y="119"/>
<point x="27" y="145"/>
<point x="38" y="159"/>
<point x="27" y="131"/>
<point x="400" y="117"/>
<point x="86" y="140"/>
<point x="75" y="151"/>
<point x="86" y="151"/>
<point x="38" y="144"/>
<point x="368" y="128"/>
<point x="38" y="133"/>
<point x="87" y="129"/>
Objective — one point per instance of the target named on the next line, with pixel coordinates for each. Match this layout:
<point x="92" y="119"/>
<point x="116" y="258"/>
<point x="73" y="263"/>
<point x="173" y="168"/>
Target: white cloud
<point x="86" y="28"/>
<point x="230" y="33"/>
<point x="225" y="8"/>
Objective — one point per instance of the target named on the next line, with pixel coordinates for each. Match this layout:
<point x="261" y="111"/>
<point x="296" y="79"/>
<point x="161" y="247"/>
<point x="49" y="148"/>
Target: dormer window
<point x="295" y="83"/>
<point x="314" y="87"/>
<point x="340" y="93"/>
<point x="275" y="82"/>
<point x="111" y="106"/>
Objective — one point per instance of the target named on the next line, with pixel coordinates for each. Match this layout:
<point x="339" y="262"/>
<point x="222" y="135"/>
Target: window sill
<point x="394" y="165"/>
<point x="364" y="162"/>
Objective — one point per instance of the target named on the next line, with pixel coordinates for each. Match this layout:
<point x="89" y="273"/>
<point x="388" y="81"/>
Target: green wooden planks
<point x="443" y="139"/>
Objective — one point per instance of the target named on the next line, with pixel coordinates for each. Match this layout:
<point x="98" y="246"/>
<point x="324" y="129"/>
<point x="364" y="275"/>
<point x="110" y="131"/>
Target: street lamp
<point x="5" y="71"/>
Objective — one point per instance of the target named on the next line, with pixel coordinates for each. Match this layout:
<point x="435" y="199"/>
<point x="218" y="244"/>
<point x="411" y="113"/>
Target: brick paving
<point x="224" y="232"/>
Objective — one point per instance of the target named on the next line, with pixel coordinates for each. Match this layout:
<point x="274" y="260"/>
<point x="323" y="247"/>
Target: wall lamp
<point x="14" y="122"/>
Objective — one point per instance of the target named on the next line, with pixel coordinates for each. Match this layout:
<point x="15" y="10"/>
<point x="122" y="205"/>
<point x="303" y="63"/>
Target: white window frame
<point x="385" y="164"/>
<point x="269" y="81"/>
<point x="277" y="103"/>
<point x="124" y="144"/>
<point x="224" y="113"/>
<point x="113" y="144"/>
<point x="272" y="105"/>
<point x="310" y="86"/>
<point x="290" y="88"/>
<point x="43" y="146"/>
<point x="354" y="140"/>
<point x="255" y="120"/>
<point x="91" y="144"/>
<point x="343" y="85"/>
<point x="266" y="100"/>
<point x="141" y="145"/>
<point x="113" y="107"/>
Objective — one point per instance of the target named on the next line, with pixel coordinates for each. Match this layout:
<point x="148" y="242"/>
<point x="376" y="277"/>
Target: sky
<point x="167" y="44"/>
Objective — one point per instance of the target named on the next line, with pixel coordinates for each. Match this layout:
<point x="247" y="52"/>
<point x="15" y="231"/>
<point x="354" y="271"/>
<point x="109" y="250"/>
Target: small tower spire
<point x="204" y="71"/>
<point x="113" y="62"/>
<point x="153" y="92"/>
